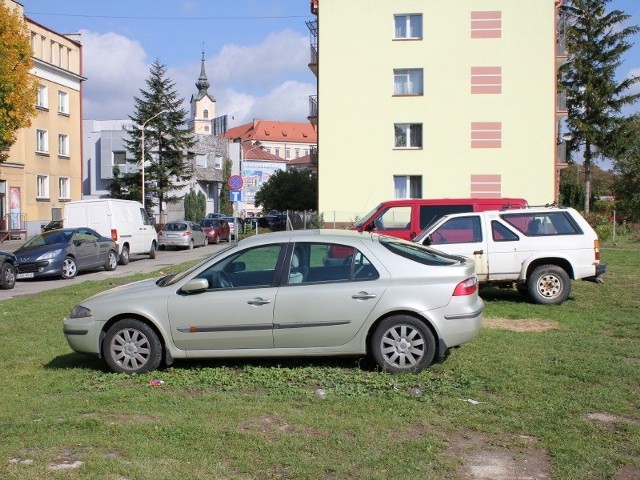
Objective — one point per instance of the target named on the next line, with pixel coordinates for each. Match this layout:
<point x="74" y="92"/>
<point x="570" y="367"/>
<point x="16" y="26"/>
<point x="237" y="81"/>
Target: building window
<point x="65" y="190"/>
<point x="63" y="102"/>
<point x="486" y="134"/>
<point x="42" y="96"/>
<point x="287" y="153"/>
<point x="218" y="162"/>
<point x="33" y="43"/>
<point x="486" y="80"/>
<point x="408" y="135"/>
<point x="201" y="161"/>
<point x="206" y="128"/>
<point x="118" y="158"/>
<point x="407" y="81"/>
<point x="43" y="47"/>
<point x="52" y="52"/>
<point x="297" y="153"/>
<point x="408" y="26"/>
<point x="407" y="186"/>
<point x="277" y="152"/>
<point x="42" y="186"/>
<point x="60" y="55"/>
<point x="486" y="24"/>
<point x="205" y="113"/>
<point x="42" y="141"/>
<point x="63" y="144"/>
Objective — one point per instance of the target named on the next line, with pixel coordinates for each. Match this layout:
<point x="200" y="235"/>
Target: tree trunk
<point x="587" y="176"/>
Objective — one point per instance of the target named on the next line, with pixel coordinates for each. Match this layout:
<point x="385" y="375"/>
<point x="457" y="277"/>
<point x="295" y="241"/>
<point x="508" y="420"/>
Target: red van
<point x="406" y="218"/>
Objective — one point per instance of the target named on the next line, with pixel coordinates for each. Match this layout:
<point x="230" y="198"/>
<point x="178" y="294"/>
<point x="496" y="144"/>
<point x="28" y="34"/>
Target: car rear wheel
<point x="152" y="251"/>
<point x="190" y="247"/>
<point x="7" y="276"/>
<point x="131" y="346"/>
<point x="112" y="261"/>
<point x="205" y="242"/>
<point x="549" y="285"/>
<point x="69" y="268"/>
<point x="216" y="239"/>
<point x="403" y="344"/>
<point x="124" y="256"/>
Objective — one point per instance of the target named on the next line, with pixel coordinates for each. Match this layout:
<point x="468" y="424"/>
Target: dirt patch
<point x="610" y="419"/>
<point x="520" y="324"/>
<point x="628" y="473"/>
<point x="122" y="419"/>
<point x="482" y="459"/>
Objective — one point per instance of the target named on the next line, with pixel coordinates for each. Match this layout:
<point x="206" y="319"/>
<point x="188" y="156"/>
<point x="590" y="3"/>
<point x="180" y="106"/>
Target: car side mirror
<point x="195" y="285"/>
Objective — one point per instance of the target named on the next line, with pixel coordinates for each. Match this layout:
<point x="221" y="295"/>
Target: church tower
<point x="203" y="106"/>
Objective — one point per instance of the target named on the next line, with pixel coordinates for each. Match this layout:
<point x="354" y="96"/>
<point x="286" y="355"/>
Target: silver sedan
<point x="303" y="293"/>
<point x="183" y="234"/>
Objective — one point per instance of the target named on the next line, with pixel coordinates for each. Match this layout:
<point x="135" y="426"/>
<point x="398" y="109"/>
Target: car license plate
<point x="24" y="275"/>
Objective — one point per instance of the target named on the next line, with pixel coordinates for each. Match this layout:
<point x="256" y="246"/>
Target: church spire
<point x="202" y="83"/>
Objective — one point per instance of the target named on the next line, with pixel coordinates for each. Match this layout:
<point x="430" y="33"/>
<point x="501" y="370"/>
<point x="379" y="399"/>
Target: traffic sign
<point x="235" y="182"/>
<point x="235" y="195"/>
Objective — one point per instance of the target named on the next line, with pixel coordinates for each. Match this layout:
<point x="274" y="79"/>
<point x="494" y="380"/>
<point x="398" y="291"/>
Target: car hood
<point x="130" y="289"/>
<point x="34" y="251"/>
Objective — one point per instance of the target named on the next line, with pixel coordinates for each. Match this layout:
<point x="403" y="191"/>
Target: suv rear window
<point x="419" y="253"/>
<point x="543" y="223"/>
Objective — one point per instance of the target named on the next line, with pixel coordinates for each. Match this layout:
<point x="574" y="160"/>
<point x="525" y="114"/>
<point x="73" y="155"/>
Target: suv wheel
<point x="549" y="284"/>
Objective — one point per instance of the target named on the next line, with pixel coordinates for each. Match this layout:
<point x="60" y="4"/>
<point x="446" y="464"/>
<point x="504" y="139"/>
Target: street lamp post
<point x="142" y="148"/>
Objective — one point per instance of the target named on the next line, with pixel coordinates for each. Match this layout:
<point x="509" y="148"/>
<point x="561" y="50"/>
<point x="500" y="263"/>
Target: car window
<point x="251" y="268"/>
<point x="328" y="262"/>
<point x="458" y="230"/>
<point x="500" y="233"/>
<point x="543" y="223"/>
<point x="394" y="218"/>
<point x="431" y="213"/>
<point x="418" y="253"/>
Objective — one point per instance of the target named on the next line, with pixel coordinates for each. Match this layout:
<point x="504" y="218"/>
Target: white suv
<point x="538" y="250"/>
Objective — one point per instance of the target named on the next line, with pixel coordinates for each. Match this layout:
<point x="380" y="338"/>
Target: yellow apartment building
<point x="44" y="168"/>
<point x="435" y="98"/>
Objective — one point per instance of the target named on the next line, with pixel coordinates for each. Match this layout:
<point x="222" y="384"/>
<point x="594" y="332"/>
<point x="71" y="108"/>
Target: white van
<point x="125" y="221"/>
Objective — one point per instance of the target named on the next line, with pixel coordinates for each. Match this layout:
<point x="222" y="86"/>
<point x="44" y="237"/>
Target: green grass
<point x="252" y="419"/>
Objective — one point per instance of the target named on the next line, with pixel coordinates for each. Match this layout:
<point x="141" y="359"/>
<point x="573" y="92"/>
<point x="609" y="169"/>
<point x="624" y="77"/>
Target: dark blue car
<point x="64" y="253"/>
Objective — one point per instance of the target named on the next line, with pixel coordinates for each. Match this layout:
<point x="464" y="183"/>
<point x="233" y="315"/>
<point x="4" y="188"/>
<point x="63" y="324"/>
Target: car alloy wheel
<point x="403" y="344"/>
<point x="131" y="346"/>
<point x="69" y="268"/>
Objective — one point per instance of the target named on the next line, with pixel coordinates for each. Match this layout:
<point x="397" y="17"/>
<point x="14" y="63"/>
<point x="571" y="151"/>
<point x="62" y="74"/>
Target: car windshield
<point x="419" y="253"/>
<point x="50" y="238"/>
<point x="367" y="217"/>
<point x="179" y="276"/>
<point x="209" y="223"/>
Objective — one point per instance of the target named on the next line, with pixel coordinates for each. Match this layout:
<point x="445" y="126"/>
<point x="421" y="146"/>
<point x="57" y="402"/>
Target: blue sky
<point x="256" y="51"/>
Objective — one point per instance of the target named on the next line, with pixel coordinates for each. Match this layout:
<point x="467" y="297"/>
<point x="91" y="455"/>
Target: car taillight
<point x="466" y="287"/>
<point x="186" y="234"/>
<point x="596" y="249"/>
<point x="114" y="234"/>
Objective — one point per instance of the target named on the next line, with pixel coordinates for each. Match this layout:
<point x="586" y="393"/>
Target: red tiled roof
<point x="253" y="152"/>
<point x="273" y="131"/>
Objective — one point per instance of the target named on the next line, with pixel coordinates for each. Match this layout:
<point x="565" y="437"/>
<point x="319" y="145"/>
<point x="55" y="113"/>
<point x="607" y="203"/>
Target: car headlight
<point x="80" y="312"/>
<point x="49" y="255"/>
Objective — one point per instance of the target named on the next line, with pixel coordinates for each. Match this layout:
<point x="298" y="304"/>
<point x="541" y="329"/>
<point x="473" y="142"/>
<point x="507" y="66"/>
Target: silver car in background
<point x="285" y="294"/>
<point x="182" y="234"/>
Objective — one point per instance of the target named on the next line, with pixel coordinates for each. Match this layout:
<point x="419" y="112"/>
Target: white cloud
<point x="115" y="68"/>
<point x="268" y="80"/>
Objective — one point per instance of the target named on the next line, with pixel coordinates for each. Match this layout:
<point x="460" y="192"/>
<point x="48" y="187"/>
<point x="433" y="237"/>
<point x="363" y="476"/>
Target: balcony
<point x="561" y="41"/>
<point x="314" y="155"/>
<point x="561" y="154"/>
<point x="313" y="110"/>
<point x="313" y="60"/>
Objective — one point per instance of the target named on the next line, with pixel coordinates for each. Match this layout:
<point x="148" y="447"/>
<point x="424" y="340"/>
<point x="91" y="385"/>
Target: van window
<point x="431" y="213"/>
<point x="145" y="218"/>
<point x="394" y="218"/>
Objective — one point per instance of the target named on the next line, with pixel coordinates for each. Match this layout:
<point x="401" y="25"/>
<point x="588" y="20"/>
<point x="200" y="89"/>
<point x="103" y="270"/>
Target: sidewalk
<point x="11" y="245"/>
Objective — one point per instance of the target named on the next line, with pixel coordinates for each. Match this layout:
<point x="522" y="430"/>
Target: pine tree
<point x="596" y="41"/>
<point x="167" y="142"/>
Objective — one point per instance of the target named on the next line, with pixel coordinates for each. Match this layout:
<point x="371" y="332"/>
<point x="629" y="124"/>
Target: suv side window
<point x="543" y="223"/>
<point x="458" y="230"/>
<point x="500" y="233"/>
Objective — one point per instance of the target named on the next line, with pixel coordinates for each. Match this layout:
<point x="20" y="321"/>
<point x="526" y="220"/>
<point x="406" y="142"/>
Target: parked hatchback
<point x="216" y="229"/>
<point x="183" y="234"/>
<point x="273" y="295"/>
<point x="64" y="253"/>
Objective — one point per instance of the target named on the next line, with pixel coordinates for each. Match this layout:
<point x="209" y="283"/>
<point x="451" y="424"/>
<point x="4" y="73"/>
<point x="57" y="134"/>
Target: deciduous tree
<point x="289" y="190"/>
<point x="17" y="86"/>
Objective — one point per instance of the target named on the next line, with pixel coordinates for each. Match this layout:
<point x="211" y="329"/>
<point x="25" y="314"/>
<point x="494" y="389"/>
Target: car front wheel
<point x="403" y="344"/>
<point x="7" y="276"/>
<point x="152" y="251"/>
<point x="131" y="346"/>
<point x="549" y="285"/>
<point x="69" y="268"/>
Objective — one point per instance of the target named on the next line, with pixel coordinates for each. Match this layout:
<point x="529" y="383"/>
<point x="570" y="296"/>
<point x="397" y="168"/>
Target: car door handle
<point x="363" y="296"/>
<point x="258" y="301"/>
<point x="478" y="252"/>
